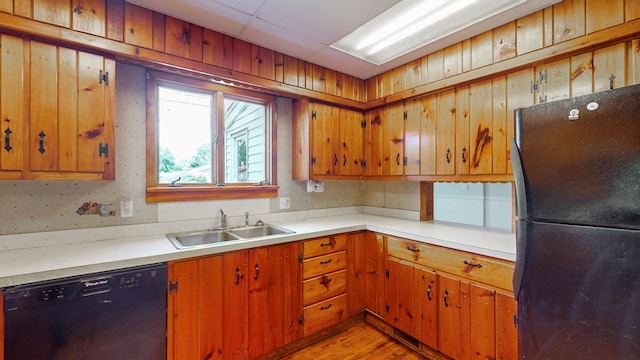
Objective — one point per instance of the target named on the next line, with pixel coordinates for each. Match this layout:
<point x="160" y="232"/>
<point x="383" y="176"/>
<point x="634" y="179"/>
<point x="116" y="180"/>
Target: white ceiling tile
<point x="246" y="6"/>
<point x="271" y="36"/>
<point x="337" y="60"/>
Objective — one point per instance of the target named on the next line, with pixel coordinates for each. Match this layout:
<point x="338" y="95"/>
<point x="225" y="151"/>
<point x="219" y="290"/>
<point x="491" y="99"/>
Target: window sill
<point x="191" y="193"/>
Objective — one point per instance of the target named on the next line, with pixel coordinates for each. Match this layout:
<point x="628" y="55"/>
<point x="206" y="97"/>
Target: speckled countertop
<point x="58" y="259"/>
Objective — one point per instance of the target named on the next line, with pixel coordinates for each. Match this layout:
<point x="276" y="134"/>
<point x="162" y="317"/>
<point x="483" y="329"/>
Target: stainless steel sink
<point x="209" y="237"/>
<point x="259" y="231"/>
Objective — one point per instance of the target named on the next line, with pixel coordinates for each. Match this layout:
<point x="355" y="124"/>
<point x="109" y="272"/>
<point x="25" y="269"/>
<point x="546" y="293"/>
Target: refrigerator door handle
<point x="519" y="180"/>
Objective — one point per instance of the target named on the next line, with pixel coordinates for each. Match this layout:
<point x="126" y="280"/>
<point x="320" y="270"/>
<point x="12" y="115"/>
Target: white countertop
<point x="58" y="260"/>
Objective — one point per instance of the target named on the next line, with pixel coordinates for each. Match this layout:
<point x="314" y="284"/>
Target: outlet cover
<point x="126" y="208"/>
<point x="285" y="203"/>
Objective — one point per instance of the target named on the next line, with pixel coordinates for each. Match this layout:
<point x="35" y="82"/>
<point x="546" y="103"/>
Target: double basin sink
<point x="208" y="237"/>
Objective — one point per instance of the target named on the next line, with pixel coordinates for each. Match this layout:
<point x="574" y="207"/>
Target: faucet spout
<point x="223" y="219"/>
<point x="246" y="218"/>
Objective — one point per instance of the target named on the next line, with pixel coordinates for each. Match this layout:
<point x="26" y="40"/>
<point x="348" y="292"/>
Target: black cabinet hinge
<point x="406" y="161"/>
<point x="103" y="76"/>
<point x="313" y="160"/>
<point x="386" y="273"/>
<point x="300" y="319"/>
<point x="313" y="115"/>
<point x="173" y="286"/>
<point x="299" y="258"/>
<point x="405" y="115"/>
<point x="103" y="150"/>
<point x="363" y="124"/>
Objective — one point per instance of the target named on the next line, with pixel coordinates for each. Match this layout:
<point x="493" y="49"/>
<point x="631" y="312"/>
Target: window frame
<point x="157" y="192"/>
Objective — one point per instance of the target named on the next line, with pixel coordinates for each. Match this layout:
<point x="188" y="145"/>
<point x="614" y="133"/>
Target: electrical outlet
<point x="126" y="208"/>
<point x="285" y="203"/>
<point x="315" y="186"/>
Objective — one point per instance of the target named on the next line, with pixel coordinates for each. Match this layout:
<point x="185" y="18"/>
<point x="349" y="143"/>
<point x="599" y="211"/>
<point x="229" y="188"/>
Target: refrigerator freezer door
<point x="580" y="295"/>
<point x="581" y="159"/>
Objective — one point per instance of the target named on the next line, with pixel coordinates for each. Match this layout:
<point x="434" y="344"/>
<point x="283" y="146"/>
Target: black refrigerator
<point x="577" y="277"/>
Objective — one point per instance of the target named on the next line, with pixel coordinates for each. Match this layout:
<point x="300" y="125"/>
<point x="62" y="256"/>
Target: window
<point x="208" y="141"/>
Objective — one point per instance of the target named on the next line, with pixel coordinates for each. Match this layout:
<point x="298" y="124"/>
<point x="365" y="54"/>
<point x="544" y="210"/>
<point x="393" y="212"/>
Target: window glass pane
<point x="184" y="136"/>
<point x="244" y="143"/>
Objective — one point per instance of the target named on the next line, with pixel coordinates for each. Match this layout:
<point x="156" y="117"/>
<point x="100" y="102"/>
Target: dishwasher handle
<point x="96" y="286"/>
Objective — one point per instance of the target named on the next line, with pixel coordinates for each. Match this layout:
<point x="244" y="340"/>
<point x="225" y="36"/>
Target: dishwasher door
<point x="115" y="315"/>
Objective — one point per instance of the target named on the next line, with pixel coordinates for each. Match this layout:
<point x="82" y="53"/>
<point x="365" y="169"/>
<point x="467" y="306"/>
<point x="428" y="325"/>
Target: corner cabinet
<point x="327" y="142"/>
<point x="57" y="108"/>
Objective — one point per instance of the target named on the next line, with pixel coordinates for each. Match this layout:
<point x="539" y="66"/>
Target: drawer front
<point x="323" y="264"/>
<point x="483" y="269"/>
<point x="494" y="272"/>
<point x="324" y="314"/>
<point x="405" y="249"/>
<point x="324" y="245"/>
<point x="323" y="287"/>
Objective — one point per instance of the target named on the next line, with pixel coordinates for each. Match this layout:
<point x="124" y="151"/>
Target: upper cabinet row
<point x="56" y="112"/>
<point x="457" y="134"/>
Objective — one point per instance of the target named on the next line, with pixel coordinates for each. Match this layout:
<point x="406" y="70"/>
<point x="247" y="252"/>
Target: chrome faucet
<point x="223" y="219"/>
<point x="246" y="218"/>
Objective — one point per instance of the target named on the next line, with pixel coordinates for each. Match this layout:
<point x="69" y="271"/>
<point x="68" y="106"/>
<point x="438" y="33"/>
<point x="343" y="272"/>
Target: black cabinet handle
<point x="257" y="272"/>
<point x="325" y="280"/>
<point x="429" y="292"/>
<point x="335" y="159"/>
<point x="325" y="307"/>
<point x="413" y="249"/>
<point x="448" y="156"/>
<point x="344" y="160"/>
<point x="464" y="156"/>
<point x="326" y="244"/>
<point x="398" y="159"/>
<point x="41" y="142"/>
<point x="478" y="265"/>
<point x="325" y="262"/>
<point x="7" y="139"/>
<point x="446" y="297"/>
<point x="237" y="275"/>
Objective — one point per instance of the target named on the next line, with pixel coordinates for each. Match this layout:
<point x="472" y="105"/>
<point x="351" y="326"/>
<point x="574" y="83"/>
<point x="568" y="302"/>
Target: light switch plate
<point x="285" y="203"/>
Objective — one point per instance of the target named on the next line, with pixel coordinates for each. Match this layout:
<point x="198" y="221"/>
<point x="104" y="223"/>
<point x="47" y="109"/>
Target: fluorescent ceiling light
<point x="411" y="24"/>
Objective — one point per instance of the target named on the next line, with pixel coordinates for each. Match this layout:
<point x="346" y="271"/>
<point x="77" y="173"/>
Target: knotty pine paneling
<point x="530" y="33"/>
<point x="609" y="68"/>
<point x="499" y="141"/>
<point x="278" y="67"/>
<point x="195" y="42"/>
<point x="504" y="42"/>
<point x="6" y="6"/>
<point x="582" y="74"/>
<point x="399" y="81"/>
<point x="290" y="65"/>
<point x="138" y="26"/>
<point x="115" y="20"/>
<point x="453" y="60"/>
<point x="213" y="47"/>
<point x="89" y="16"/>
<point x="435" y="66"/>
<point x="633" y="62"/>
<point x="568" y="20"/>
<point x="159" y="32"/>
<point x="241" y="56"/>
<point x="177" y="33"/>
<point x="482" y="50"/>
<point x="632" y="10"/>
<point x="57" y="12"/>
<point x="412" y="74"/>
<point x="603" y="14"/>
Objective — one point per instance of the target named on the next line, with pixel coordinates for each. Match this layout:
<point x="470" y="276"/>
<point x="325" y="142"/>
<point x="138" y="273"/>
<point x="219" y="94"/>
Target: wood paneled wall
<point x="572" y="30"/>
<point x="575" y="24"/>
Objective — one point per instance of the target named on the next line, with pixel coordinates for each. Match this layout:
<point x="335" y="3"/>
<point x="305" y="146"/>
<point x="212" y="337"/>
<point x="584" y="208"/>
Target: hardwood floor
<point x="361" y="341"/>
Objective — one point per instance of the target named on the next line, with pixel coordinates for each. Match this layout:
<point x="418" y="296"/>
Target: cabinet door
<point x="210" y="308"/>
<point x="449" y="316"/>
<point x="374" y="141"/>
<point x="72" y="97"/>
<point x="412" y="137"/>
<point x="462" y="130"/>
<point x="428" y="295"/>
<point x="325" y="139"/>
<point x="12" y="128"/>
<point x="394" y="132"/>
<point x="506" y="327"/>
<point x="182" y="320"/>
<point x="428" y="135"/>
<point x="351" y="142"/>
<point x="482" y="324"/>
<point x="259" y="276"/>
<point x="391" y="292"/>
<point x="446" y="133"/>
<point x="235" y="305"/>
<point x="408" y="312"/>
<point x="480" y="128"/>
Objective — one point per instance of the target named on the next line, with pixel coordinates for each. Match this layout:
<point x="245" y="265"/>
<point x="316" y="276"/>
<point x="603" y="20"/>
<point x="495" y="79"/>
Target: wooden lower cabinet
<point x="237" y="305"/>
<point x="448" y="313"/>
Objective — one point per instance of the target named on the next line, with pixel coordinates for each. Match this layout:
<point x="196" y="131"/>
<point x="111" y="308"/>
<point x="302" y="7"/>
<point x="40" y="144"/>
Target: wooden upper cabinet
<point x="13" y="125"/>
<point x="71" y="113"/>
<point x="351" y="142"/>
<point x="89" y="16"/>
<point x="446" y="133"/>
<point x="412" y="138"/>
<point x="394" y="136"/>
<point x="325" y="134"/>
<point x="373" y="143"/>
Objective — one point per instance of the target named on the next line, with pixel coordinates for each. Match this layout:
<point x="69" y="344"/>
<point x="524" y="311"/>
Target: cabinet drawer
<point x="406" y="249"/>
<point x="323" y="245"/>
<point x="324" y="314"/>
<point x="323" y="287"/>
<point x="323" y="264"/>
<point x="495" y="272"/>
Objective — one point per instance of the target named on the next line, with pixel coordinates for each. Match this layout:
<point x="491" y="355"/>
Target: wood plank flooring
<point x="361" y="341"/>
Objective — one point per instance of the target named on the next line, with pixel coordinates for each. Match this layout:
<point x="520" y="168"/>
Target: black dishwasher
<point x="117" y="315"/>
